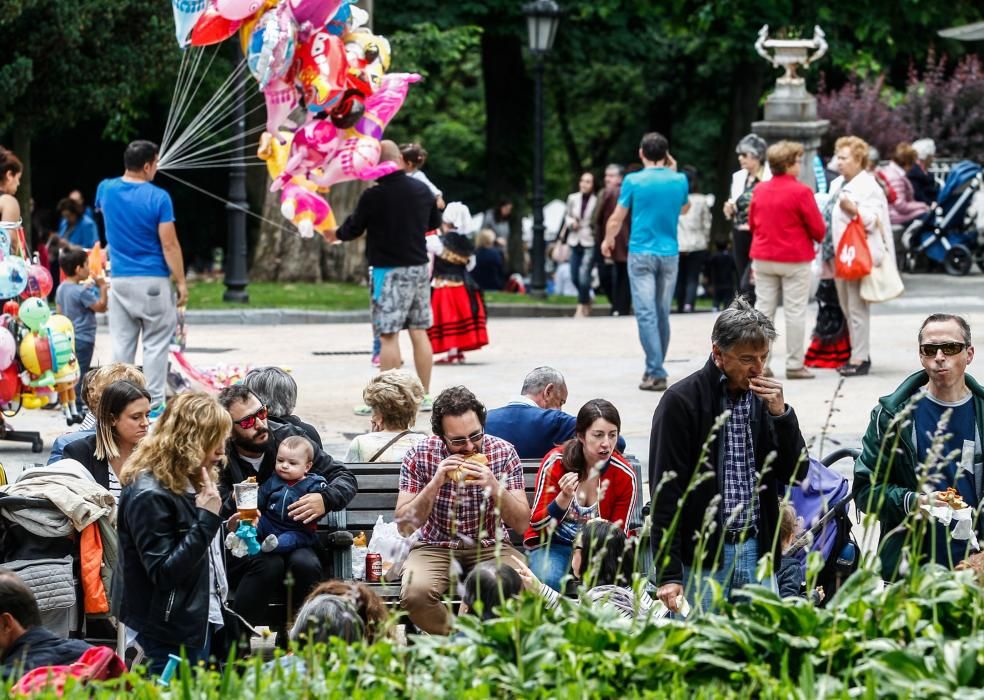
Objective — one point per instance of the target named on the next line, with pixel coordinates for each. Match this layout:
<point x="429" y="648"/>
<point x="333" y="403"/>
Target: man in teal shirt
<point x="656" y="196"/>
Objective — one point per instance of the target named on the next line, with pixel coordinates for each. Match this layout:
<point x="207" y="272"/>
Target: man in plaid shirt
<point x="750" y="458"/>
<point x="458" y="505"/>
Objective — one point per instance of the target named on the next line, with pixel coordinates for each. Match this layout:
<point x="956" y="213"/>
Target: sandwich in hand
<point x="477" y="459"/>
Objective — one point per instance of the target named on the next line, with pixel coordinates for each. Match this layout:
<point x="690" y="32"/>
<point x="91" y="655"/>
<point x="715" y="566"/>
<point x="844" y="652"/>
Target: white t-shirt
<point x="363" y="447"/>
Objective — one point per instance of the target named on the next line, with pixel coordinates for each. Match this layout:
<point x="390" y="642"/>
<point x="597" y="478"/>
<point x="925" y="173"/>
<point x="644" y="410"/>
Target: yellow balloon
<point x="62" y="324"/>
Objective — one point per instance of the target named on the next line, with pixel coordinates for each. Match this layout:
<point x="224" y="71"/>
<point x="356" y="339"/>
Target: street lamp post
<point x="542" y="18"/>
<point x="235" y="278"/>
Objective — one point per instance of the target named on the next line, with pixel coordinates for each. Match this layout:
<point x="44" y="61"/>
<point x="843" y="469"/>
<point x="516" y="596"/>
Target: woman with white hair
<point x="456" y="301"/>
<point x="754" y="169"/>
<point x="923" y="184"/>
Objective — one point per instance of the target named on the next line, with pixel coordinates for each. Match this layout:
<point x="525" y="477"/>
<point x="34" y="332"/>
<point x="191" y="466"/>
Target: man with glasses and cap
<point x="252" y="452"/>
<point x="939" y="399"/>
<point x="459" y="487"/>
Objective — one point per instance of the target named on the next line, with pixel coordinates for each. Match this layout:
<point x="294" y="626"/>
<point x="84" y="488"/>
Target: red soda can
<point x="374" y="567"/>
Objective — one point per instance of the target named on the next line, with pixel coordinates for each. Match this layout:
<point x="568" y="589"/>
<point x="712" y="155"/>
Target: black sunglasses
<point x="474" y="438"/>
<point x="930" y="349"/>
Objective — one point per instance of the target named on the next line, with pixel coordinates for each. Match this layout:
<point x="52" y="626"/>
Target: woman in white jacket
<point x="579" y="235"/>
<point x="858" y="194"/>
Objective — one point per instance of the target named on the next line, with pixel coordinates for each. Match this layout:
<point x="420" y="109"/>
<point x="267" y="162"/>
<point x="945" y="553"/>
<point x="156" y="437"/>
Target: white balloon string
<point x="196" y="80"/>
<point x="207" y="130"/>
<point x="238" y="152"/>
<point x="219" y="144"/>
<point x="202" y="120"/>
<point x="276" y="224"/>
<point x="187" y="81"/>
<point x="169" y="124"/>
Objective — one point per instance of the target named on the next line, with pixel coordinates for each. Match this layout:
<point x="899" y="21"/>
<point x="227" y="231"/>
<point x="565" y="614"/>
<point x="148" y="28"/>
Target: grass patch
<point x="321" y="296"/>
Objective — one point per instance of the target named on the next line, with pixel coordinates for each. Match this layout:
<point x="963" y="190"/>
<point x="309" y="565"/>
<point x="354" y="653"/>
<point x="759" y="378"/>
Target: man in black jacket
<point x="252" y="451"/>
<point x="24" y="644"/>
<point x="738" y="477"/>
<point x="396" y="214"/>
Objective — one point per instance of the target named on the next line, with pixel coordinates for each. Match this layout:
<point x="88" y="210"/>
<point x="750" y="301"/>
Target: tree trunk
<point x="22" y="149"/>
<point x="508" y="131"/>
<point x="345" y="262"/>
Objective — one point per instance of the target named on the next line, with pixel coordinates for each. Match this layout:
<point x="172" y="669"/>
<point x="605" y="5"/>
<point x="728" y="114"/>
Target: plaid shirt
<point x="740" y="476"/>
<point x="454" y="520"/>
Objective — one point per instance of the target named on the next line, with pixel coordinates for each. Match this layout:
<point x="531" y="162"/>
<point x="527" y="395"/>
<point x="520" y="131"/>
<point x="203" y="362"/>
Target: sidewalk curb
<point x="281" y="317"/>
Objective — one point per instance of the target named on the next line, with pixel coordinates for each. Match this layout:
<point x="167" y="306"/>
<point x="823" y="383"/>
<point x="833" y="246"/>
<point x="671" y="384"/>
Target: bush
<point x="946" y="106"/>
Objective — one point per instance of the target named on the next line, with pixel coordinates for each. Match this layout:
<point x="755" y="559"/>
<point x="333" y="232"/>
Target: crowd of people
<point x="725" y="443"/>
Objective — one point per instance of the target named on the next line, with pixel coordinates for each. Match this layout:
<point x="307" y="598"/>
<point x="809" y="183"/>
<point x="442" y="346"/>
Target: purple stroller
<point x="821" y="501"/>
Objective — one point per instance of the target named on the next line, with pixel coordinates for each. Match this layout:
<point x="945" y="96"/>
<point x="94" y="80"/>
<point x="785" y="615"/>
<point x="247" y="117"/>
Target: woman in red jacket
<point x="785" y="222"/>
<point x="584" y="478"/>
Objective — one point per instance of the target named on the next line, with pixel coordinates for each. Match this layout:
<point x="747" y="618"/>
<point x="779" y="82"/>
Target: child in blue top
<point x="79" y="301"/>
<point x="290" y="481"/>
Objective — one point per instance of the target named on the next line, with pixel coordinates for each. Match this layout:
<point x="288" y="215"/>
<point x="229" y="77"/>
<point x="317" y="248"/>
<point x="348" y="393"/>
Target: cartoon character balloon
<point x="314" y="12"/>
<point x="238" y="9"/>
<point x="39" y="282"/>
<point x="34" y="313"/>
<point x="13" y="276"/>
<point x="270" y="51"/>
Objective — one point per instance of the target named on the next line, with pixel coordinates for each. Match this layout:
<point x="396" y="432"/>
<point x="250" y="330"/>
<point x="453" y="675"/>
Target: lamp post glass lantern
<point x="542" y="18"/>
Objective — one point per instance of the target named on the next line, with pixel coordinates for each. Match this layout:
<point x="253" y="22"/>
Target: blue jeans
<point x="653" y="280"/>
<point x="582" y="261"/>
<point x="550" y="563"/>
<point x="156" y="652"/>
<point x="737" y="570"/>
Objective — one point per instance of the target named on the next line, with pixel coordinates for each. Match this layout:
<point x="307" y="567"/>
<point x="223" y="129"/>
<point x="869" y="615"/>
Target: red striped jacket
<point x="618" y="486"/>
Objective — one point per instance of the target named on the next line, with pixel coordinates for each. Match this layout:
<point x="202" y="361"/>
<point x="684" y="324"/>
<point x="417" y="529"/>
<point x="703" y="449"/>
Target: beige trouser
<point x="427" y="577"/>
<point x="858" y="314"/>
<point x="792" y="280"/>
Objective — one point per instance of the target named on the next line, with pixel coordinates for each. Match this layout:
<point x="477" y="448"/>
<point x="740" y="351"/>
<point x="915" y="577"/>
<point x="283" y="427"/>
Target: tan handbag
<point x="884" y="283"/>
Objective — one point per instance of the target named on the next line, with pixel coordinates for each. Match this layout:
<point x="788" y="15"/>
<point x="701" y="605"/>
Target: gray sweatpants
<point x="143" y="306"/>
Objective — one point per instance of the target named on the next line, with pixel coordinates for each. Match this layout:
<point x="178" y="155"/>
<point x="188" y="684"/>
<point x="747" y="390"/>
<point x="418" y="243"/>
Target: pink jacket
<point x="905" y="208"/>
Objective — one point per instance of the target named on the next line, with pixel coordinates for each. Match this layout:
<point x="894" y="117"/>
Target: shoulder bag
<point x="884" y="283"/>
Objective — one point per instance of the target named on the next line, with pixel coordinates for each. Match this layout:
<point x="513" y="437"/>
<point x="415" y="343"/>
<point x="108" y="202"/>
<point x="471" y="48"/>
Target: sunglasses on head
<point x="247" y="422"/>
<point x="474" y="438"/>
<point x="930" y="349"/>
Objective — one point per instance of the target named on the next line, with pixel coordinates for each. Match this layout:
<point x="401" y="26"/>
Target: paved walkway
<point x="601" y="357"/>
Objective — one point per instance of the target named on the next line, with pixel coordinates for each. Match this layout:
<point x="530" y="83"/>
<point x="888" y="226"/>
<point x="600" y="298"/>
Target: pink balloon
<point x="238" y="9"/>
<point x="313" y="144"/>
<point x="8" y="349"/>
<point x="307" y="210"/>
<point x="357" y="156"/>
<point x="317" y="12"/>
<point x="281" y="100"/>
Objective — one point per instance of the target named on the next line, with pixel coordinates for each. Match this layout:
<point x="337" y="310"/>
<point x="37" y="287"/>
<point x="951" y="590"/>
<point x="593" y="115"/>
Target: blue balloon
<point x="337" y="24"/>
<point x="186" y="14"/>
<point x="13" y="276"/>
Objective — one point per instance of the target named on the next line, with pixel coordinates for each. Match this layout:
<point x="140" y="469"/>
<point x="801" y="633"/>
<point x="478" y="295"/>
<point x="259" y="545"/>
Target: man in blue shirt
<point x="892" y="483"/>
<point x="535" y="422"/>
<point x="145" y="253"/>
<point x="656" y="196"/>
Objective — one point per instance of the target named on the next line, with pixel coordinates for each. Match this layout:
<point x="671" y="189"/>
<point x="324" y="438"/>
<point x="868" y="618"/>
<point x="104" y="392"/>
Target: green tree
<point x="66" y="61"/>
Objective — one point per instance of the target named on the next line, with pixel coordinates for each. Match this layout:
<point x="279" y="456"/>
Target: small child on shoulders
<point x="791" y="575"/>
<point x="290" y="481"/>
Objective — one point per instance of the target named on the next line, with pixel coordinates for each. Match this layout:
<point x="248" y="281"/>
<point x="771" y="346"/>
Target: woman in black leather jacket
<point x="173" y="582"/>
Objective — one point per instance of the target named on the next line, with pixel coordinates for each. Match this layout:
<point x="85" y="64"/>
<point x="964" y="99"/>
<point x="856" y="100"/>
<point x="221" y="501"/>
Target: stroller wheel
<point x="958" y="261"/>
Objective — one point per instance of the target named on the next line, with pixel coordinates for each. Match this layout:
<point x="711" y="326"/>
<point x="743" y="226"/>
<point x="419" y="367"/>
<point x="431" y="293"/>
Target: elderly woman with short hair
<point x="785" y="223"/>
<point x="753" y="170"/>
<point x="858" y="194"/>
<point x="278" y="392"/>
<point x="394" y="397"/>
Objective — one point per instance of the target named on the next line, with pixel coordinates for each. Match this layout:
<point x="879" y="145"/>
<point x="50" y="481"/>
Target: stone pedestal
<point x="791" y="114"/>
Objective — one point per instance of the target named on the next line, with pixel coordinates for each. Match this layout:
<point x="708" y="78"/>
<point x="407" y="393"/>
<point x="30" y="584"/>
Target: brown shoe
<point x="653" y="383"/>
<point x="767" y="373"/>
<point x="801" y="373"/>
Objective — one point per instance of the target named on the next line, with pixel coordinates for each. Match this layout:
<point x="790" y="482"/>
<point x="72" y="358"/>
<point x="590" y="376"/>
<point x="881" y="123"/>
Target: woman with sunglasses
<point x="122" y="421"/>
<point x="583" y="479"/>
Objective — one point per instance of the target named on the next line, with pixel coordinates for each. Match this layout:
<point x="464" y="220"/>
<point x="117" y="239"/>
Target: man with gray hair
<point x="278" y="391"/>
<point x="534" y="422"/>
<point x="754" y="449"/>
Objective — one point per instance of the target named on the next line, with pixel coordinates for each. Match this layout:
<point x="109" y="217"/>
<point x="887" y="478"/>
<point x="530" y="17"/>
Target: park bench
<point x="379" y="485"/>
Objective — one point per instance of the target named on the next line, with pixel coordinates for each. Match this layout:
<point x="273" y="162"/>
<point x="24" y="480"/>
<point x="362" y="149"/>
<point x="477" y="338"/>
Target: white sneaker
<point x="427" y="405"/>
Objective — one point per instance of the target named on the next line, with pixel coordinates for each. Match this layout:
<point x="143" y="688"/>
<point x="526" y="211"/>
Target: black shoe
<point x="855" y="370"/>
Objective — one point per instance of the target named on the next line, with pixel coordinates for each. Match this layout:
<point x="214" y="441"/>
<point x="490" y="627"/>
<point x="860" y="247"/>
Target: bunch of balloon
<point x="47" y="355"/>
<point x="320" y="54"/>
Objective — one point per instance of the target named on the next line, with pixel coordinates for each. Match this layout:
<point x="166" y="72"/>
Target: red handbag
<point x="853" y="258"/>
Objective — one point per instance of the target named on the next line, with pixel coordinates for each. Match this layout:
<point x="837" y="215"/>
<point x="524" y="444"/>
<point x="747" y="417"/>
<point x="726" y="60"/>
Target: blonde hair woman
<point x="173" y="575"/>
<point x="394" y="397"/>
<point x="858" y="194"/>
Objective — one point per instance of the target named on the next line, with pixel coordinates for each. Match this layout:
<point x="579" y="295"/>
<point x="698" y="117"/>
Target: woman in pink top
<point x="905" y="208"/>
<point x="785" y="222"/>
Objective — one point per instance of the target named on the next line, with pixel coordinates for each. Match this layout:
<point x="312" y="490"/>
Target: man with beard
<point x="252" y="451"/>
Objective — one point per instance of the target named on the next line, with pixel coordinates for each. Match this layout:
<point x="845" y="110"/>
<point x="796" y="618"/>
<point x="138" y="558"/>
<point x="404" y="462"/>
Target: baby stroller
<point x="41" y="546"/>
<point x="947" y="234"/>
<point x="821" y="501"/>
